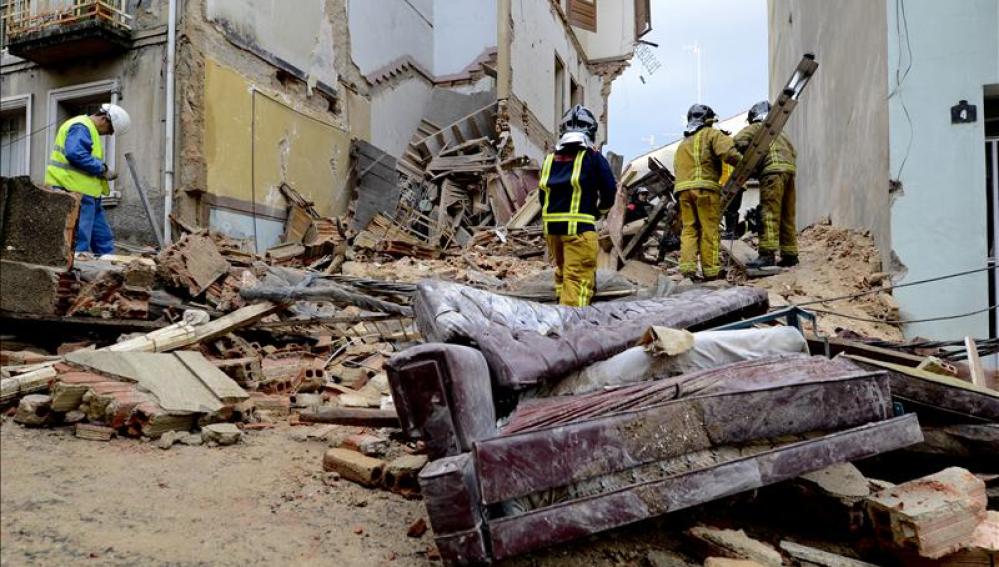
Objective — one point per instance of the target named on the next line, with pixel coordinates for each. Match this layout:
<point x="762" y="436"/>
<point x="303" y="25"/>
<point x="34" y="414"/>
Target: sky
<point x="732" y="36"/>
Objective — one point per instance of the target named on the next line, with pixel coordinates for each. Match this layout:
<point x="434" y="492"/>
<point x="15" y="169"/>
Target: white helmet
<point x="120" y="120"/>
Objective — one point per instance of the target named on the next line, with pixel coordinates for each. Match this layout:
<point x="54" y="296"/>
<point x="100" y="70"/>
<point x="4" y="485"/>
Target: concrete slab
<point x="37" y="225"/>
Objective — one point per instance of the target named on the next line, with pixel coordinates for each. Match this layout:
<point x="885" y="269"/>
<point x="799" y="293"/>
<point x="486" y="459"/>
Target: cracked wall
<point x="259" y="109"/>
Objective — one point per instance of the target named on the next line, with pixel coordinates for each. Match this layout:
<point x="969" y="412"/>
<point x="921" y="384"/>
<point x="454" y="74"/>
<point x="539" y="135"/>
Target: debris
<point x="734" y="544"/>
<point x="37" y="225"/>
<point x="400" y="473"/>
<point x="33" y="381"/>
<point x="417" y="528"/>
<point x="34" y="410"/>
<point x="351" y="416"/>
<point x="193" y="262"/>
<point x="366" y="444"/>
<point x="354" y="466"/>
<point x="29" y="288"/>
<point x="933" y="515"/>
<point x="94" y="432"/>
<point x="663" y="341"/>
<point x="811" y="556"/>
<point x="727" y="562"/>
<point x="169" y="438"/>
<point x="181" y="381"/>
<point x="221" y="434"/>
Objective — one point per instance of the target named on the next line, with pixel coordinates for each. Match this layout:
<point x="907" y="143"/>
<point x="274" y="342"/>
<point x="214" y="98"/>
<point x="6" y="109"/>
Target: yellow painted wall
<point x="254" y="143"/>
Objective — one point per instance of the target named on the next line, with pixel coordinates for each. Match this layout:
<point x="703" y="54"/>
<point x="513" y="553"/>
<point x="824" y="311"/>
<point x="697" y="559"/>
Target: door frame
<point x="21" y="102"/>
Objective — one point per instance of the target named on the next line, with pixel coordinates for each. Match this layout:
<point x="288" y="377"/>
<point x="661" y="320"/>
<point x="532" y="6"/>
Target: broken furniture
<point x="566" y="467"/>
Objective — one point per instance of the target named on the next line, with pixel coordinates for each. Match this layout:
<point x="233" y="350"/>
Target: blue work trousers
<point x="93" y="234"/>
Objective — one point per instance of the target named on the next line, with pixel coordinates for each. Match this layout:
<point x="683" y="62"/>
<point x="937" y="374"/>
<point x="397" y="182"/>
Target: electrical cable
<point x="902" y="23"/>
<point x="898" y="286"/>
<point x="905" y="322"/>
<point x="28" y="135"/>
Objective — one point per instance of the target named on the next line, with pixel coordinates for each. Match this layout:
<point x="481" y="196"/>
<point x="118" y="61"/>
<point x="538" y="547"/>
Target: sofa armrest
<point x="443" y="396"/>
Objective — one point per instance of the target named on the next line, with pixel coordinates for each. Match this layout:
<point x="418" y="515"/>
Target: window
<point x="576" y="95"/>
<point x="15" y="142"/>
<point x="5" y="7"/>
<point x="583" y="14"/>
<point x="559" y="91"/>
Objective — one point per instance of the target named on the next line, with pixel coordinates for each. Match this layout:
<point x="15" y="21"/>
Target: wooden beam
<point x="975" y="363"/>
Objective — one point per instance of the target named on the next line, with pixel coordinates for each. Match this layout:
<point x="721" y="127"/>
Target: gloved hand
<point x="600" y="226"/>
<point x="110" y="174"/>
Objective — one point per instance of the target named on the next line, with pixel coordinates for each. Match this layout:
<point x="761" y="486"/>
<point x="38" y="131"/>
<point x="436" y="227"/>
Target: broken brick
<point x="365" y="444"/>
<point x="417" y="528"/>
<point x="401" y="473"/>
<point x="934" y="515"/>
<point x="354" y="466"/>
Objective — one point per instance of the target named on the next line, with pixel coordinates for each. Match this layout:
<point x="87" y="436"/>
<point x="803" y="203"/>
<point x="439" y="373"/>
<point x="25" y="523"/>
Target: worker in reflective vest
<point x="576" y="188"/>
<point x="776" y="175"/>
<point x="698" y="166"/>
<point x="77" y="164"/>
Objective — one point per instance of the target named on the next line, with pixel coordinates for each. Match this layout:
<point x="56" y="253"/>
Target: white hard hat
<point x="120" y="120"/>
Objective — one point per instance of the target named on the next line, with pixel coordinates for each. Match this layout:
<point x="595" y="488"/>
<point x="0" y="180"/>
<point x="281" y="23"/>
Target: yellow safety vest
<point x="61" y="173"/>
<point x="572" y="216"/>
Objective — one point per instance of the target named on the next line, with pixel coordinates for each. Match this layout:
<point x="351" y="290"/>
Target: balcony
<point x="56" y="32"/>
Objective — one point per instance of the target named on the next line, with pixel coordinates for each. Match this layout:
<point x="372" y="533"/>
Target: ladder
<point x="779" y="113"/>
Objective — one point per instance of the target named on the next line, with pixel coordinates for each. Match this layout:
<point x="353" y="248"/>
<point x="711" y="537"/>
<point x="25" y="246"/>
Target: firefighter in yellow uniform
<point x="776" y="176"/>
<point x="576" y="188"/>
<point x="698" y="167"/>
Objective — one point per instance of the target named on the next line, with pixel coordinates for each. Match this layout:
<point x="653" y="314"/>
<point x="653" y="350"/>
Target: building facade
<point x="266" y="95"/>
<point x="893" y="135"/>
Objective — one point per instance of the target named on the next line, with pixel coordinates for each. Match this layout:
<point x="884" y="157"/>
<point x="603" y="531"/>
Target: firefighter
<point x="776" y="176"/>
<point x="576" y="188"/>
<point x="638" y="206"/>
<point x="698" y="166"/>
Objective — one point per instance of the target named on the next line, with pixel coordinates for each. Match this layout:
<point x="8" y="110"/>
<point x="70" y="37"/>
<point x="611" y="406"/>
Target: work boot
<point x="788" y="260"/>
<point x="762" y="261"/>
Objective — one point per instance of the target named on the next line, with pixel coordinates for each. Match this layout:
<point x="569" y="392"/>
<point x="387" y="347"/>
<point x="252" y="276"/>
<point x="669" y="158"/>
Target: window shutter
<point x="643" y="18"/>
<point x="583" y="14"/>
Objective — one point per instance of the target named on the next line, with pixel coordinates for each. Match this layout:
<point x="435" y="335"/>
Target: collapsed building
<point x="350" y="242"/>
<point x="265" y="96"/>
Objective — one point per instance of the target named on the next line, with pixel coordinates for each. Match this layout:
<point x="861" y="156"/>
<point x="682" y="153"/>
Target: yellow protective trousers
<point x="778" y="215"/>
<point x="575" y="261"/>
<point x="700" y="211"/>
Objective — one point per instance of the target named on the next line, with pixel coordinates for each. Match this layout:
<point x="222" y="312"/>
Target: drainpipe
<point x="169" y="127"/>
<point x="503" y="70"/>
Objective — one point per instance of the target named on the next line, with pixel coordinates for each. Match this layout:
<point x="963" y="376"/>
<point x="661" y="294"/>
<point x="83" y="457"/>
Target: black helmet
<point x="579" y="119"/>
<point x="699" y="116"/>
<point x="759" y="112"/>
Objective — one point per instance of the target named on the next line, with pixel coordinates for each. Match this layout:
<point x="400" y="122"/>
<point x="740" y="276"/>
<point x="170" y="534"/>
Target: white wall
<point x="463" y="30"/>
<point x="302" y="36"/>
<point x="396" y="112"/>
<point x="840" y="127"/>
<point x="615" y="35"/>
<point x="938" y="223"/>
<point x="537" y="37"/>
<point x="383" y="31"/>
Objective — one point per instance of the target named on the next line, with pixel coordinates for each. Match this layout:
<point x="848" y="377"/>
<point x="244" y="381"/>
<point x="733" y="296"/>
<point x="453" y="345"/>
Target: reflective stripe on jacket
<point x="698" y="161"/>
<point x="780" y="157"/>
<point x="575" y="189"/>
<point x="61" y="173"/>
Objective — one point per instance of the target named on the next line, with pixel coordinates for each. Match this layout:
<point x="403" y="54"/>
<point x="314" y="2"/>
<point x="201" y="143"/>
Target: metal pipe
<point x="145" y="198"/>
<point x="170" y="119"/>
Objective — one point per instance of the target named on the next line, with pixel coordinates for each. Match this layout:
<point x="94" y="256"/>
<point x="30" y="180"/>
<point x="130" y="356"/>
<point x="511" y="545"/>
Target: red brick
<point x="933" y="515"/>
<point x="354" y="466"/>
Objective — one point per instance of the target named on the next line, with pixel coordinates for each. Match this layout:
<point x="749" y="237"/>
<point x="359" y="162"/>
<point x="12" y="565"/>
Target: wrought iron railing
<point x="22" y="17"/>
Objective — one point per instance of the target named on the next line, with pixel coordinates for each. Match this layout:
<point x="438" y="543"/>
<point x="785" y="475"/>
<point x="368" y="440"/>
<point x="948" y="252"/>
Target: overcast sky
<point x="732" y="35"/>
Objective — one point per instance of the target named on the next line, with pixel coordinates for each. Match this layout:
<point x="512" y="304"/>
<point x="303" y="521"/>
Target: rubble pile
<point x="424" y="318"/>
